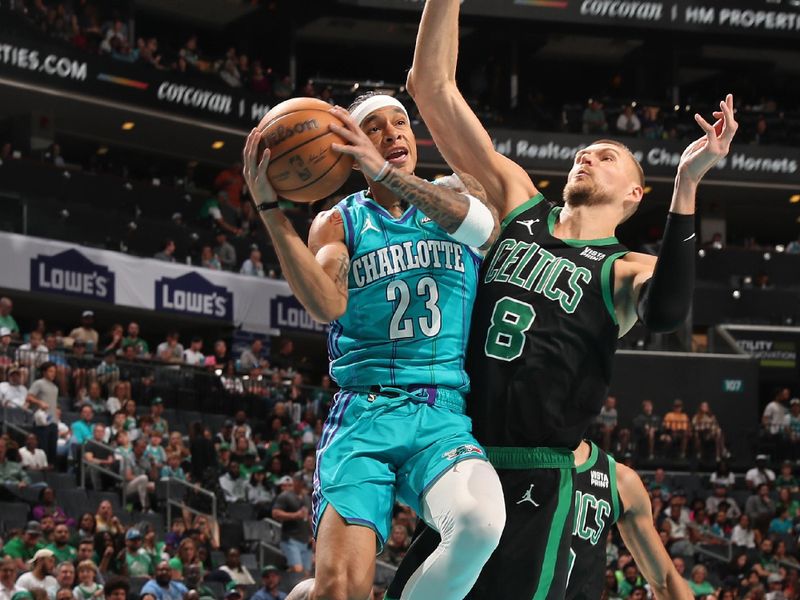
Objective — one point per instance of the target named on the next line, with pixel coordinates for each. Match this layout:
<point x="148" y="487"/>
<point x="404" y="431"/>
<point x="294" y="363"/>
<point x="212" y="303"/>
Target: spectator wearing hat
<point x="253" y="265"/>
<point x="760" y="474"/>
<point x="13" y="392"/>
<point x="259" y="492"/>
<point x="291" y="510"/>
<point x="160" y="424"/>
<point x="8" y="578"/>
<point x="238" y="573"/>
<point x="86" y="332"/>
<point x="162" y="587"/>
<point x="7" y="321"/>
<point x="24" y="547"/>
<point x="137" y="562"/>
<point x="39" y="577"/>
<point x="233" y="591"/>
<point x="775" y="589"/>
<point x="271" y="580"/>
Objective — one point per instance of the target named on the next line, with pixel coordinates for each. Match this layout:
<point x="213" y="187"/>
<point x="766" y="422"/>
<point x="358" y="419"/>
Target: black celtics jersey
<point x="597" y="508"/>
<point x="543" y="333"/>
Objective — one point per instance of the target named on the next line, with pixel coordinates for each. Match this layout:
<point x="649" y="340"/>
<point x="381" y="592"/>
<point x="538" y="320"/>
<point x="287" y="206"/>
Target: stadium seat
<point x="250" y="562"/>
<point x="60" y="481"/>
<point x="73" y="500"/>
<point x="15" y="514"/>
<point x="241" y="511"/>
<point x="36" y="476"/>
<point x="230" y="534"/>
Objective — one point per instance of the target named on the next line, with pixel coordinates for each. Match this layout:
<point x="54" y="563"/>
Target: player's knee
<point x="478" y="527"/>
<point x="341" y="587"/>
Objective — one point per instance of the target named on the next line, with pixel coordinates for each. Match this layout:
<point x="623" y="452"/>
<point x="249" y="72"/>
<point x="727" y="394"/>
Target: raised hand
<point x="702" y="154"/>
<point x="359" y="146"/>
<point x="255" y="170"/>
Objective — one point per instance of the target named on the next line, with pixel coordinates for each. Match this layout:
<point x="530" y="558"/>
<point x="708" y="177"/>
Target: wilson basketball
<point x="302" y="166"/>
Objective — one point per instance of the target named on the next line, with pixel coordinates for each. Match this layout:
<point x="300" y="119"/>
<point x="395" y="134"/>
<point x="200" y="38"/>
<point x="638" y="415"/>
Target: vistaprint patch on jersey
<point x="599" y="479"/>
<point x="462" y="450"/>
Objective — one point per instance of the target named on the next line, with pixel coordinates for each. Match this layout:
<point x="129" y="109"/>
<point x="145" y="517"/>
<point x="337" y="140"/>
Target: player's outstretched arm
<point x="661" y="291"/>
<point x="460" y="208"/>
<point x="641" y="538"/>
<point x="317" y="273"/>
<point x="456" y="130"/>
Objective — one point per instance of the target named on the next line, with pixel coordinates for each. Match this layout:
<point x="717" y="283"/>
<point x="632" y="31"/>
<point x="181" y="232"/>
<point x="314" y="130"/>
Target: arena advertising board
<point x="51" y="267"/>
<point x="775" y="348"/>
<point x="43" y="62"/>
<point x="762" y="17"/>
<point x="555" y="152"/>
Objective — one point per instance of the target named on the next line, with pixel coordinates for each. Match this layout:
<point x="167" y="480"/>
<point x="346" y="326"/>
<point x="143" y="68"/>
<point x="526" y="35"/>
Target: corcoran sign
<point x="781" y="17"/>
<point x="556" y="151"/>
<point x="31" y="57"/>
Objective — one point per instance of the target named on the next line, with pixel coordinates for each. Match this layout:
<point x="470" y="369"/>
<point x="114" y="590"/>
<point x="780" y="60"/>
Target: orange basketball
<point x="302" y="166"/>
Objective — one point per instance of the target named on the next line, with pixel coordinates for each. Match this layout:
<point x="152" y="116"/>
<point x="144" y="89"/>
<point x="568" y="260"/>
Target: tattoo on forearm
<point x="342" y="272"/>
<point x="446" y="207"/>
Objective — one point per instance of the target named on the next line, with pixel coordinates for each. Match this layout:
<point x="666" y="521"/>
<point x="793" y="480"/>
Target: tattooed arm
<point x="317" y="273"/>
<point x="446" y="206"/>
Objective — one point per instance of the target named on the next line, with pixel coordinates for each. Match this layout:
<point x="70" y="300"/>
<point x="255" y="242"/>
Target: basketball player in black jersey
<point x="605" y="493"/>
<point x="556" y="291"/>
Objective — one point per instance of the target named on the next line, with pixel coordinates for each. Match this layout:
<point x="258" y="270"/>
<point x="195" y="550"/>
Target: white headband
<point x="373" y="103"/>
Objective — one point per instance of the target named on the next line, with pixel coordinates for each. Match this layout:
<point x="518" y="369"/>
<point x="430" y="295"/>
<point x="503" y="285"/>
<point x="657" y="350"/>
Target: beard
<point x="583" y="193"/>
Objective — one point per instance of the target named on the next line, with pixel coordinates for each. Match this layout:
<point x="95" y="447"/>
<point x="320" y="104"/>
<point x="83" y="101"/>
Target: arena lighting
<point x="246" y="377"/>
<point x="633" y="104"/>
<point x="128" y="125"/>
<point x="217" y="372"/>
<point x="647" y="189"/>
<point x="767" y="256"/>
<point x="780" y="248"/>
<point x="687" y="108"/>
<point x="677" y="107"/>
<point x="701" y="253"/>
<point x="102" y="150"/>
<point x="544" y="183"/>
<point x="217" y="144"/>
<point x="355" y="87"/>
<point x="794" y="199"/>
<point x="736" y="294"/>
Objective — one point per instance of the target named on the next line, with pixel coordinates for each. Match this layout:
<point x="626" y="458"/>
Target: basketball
<point x="302" y="167"/>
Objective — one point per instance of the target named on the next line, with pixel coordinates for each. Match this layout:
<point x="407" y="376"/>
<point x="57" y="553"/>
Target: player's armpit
<point x="642" y="540"/>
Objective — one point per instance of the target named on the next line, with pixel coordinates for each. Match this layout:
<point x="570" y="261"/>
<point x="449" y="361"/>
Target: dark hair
<point x="361" y="99"/>
<point x="167" y="242"/>
<point x="46" y="365"/>
<point x="117" y="583"/>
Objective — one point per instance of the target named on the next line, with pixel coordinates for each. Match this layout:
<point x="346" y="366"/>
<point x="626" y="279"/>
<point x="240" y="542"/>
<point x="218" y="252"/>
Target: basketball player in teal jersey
<point x="393" y="269"/>
<point x="556" y="291"/>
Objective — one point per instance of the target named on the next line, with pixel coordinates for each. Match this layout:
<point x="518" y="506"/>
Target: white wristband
<point x="477" y="226"/>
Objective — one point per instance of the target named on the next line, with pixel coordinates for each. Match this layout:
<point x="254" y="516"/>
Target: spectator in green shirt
<point x="698" y="584"/>
<point x="133" y="339"/>
<point x="6" y="320"/>
<point x="13" y="477"/>
<point x="23" y="547"/>
<point x="60" y="545"/>
<point x="137" y="562"/>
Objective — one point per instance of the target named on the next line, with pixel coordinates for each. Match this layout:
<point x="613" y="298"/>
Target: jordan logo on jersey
<point x="528" y="497"/>
<point x="369" y="226"/>
<point x="528" y="224"/>
<point x="599" y="479"/>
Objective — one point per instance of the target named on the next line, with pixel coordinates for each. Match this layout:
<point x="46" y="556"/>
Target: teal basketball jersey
<point x="411" y="289"/>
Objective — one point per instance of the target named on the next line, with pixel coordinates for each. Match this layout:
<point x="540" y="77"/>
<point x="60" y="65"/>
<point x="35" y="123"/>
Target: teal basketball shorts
<point x="385" y="445"/>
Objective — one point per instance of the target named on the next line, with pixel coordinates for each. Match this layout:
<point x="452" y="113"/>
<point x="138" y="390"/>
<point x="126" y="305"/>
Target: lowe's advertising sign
<point x="71" y="273"/>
